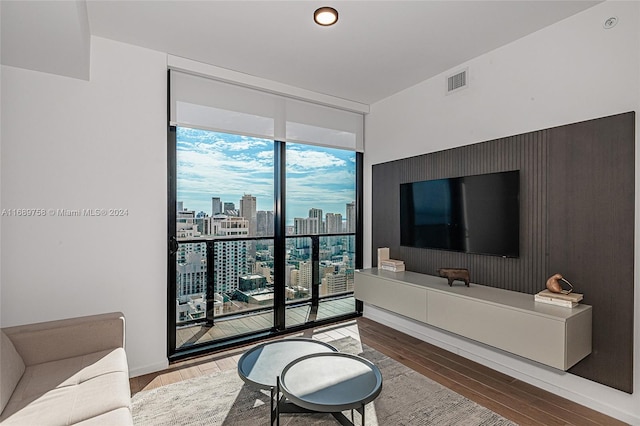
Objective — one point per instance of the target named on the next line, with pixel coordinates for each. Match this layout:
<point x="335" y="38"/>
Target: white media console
<point x="552" y="335"/>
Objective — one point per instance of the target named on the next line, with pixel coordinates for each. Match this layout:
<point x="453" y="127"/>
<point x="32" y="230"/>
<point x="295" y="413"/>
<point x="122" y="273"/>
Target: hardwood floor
<point x="517" y="401"/>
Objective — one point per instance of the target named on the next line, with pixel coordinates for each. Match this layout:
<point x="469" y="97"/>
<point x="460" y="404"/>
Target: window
<point x="263" y="229"/>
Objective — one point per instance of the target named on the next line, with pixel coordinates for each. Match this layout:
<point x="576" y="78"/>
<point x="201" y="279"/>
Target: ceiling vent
<point x="457" y="81"/>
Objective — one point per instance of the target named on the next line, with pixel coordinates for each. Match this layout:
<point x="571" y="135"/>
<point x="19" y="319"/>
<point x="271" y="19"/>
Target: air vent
<point x="457" y="81"/>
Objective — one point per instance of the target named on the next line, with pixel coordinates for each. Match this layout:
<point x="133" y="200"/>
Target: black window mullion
<point x="210" y="282"/>
<point x="172" y="245"/>
<point x="315" y="271"/>
<point x="359" y="219"/>
<point x="279" y="236"/>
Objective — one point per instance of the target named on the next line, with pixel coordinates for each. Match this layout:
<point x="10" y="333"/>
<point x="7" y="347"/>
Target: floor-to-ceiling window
<point x="263" y="214"/>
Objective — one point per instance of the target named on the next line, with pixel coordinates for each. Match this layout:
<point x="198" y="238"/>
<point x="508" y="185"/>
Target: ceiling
<point x="376" y="49"/>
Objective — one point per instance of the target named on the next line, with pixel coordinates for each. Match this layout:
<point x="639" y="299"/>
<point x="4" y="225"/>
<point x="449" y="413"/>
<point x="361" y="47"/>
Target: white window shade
<point x="321" y="125"/>
<point x="210" y="104"/>
<point x="214" y="105"/>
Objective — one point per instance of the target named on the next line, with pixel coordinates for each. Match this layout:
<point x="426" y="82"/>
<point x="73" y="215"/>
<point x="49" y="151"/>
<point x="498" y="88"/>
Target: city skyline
<point x="198" y="214"/>
<point x="227" y="166"/>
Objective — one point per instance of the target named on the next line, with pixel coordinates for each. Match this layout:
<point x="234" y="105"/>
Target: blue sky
<point x="211" y="164"/>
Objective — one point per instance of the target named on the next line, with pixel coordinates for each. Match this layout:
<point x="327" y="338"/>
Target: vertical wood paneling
<point x="525" y="274"/>
<point x="550" y="162"/>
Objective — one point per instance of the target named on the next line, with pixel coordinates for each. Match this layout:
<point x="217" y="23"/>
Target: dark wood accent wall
<point x="591" y="235"/>
<point x="576" y="218"/>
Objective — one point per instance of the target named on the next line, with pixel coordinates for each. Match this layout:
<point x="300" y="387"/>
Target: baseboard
<point x="151" y="368"/>
<point x="577" y="389"/>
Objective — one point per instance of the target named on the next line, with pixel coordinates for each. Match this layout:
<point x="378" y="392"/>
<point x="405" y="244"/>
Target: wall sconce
<point x="325" y="16"/>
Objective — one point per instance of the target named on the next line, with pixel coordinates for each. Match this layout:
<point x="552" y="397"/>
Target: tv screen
<point x="472" y="214"/>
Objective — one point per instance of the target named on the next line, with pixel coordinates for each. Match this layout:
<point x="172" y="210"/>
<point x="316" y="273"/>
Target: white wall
<point x="0" y="185"/>
<point x="98" y="144"/>
<point x="572" y="71"/>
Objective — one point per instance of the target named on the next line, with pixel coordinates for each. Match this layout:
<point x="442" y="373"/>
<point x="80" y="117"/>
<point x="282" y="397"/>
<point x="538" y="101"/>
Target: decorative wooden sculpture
<point x="455" y="274"/>
<point x="554" y="286"/>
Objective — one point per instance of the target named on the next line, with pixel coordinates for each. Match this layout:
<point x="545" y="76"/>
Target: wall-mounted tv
<point x="472" y="214"/>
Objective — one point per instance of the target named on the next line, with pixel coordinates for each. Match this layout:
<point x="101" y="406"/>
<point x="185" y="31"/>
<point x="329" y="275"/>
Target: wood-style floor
<point x="517" y="401"/>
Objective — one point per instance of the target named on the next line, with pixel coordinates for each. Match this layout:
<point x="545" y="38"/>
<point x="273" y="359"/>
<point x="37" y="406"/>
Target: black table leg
<point x="275" y="403"/>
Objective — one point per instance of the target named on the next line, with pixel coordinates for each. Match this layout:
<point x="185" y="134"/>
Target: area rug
<point x="407" y="398"/>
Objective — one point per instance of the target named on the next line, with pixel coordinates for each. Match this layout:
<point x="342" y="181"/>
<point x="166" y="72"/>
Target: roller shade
<point x="210" y="104"/>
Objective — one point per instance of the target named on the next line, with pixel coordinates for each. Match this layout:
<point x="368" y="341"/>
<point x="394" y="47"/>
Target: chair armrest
<point x="54" y="340"/>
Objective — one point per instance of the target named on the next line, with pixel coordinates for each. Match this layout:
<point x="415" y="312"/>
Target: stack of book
<point x="387" y="264"/>
<point x="391" y="265"/>
<point x="559" y="299"/>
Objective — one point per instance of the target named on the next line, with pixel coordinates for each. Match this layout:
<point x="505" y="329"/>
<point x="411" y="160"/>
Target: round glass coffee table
<point x="331" y="383"/>
<point x="261" y="365"/>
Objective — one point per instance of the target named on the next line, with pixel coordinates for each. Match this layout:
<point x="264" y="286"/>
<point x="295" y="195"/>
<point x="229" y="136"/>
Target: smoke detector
<point x="610" y="23"/>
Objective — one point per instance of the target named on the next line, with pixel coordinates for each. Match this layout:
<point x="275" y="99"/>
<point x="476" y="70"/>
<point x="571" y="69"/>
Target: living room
<point x="74" y="142"/>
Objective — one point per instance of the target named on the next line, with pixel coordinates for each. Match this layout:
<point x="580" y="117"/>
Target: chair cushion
<point x="11" y="369"/>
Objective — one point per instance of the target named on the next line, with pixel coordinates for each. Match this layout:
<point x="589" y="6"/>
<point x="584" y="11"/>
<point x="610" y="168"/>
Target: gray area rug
<point x="407" y="398"/>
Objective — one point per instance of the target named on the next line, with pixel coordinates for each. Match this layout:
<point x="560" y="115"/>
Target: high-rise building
<point x="295" y="277"/>
<point x="186" y="226"/>
<point x="326" y="269"/>
<point x="333" y="223"/>
<point x="191" y="269"/>
<point x="231" y="258"/>
<point x="180" y="206"/>
<point x="248" y="211"/>
<point x="191" y="259"/>
<point x="192" y="274"/>
<point x="305" y="277"/>
<point x="306" y="225"/>
<point x="351" y="217"/>
<point x="317" y="213"/>
<point x="265" y="223"/>
<point x="229" y="226"/>
<point x="203" y="225"/>
<point x="231" y="261"/>
<point x="336" y="283"/>
<point x="228" y="207"/>
<point x="262" y="268"/>
<point x="288" y="271"/>
<point x="216" y="206"/>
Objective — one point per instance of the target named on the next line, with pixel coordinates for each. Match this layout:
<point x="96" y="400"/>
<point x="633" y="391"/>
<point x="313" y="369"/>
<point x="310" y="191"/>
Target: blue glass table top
<point x="260" y="366"/>
<point x="331" y="382"/>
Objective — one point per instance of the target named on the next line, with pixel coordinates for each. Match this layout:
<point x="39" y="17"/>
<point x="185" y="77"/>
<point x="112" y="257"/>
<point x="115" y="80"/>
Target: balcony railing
<point x="220" y="277"/>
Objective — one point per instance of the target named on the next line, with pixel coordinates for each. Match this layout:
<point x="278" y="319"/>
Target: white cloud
<point x="243" y="145"/>
<point x="304" y="161"/>
<point x="227" y="166"/>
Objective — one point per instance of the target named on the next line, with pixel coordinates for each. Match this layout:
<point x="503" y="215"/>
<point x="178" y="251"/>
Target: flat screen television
<point x="472" y="214"/>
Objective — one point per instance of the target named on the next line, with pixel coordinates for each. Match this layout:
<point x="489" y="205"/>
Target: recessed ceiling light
<point x="325" y="16"/>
